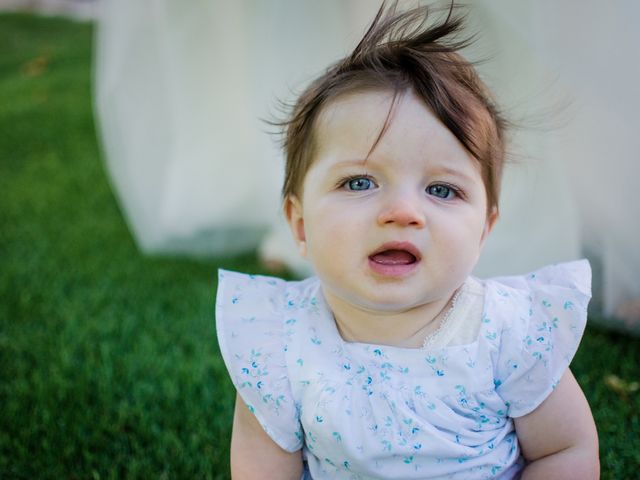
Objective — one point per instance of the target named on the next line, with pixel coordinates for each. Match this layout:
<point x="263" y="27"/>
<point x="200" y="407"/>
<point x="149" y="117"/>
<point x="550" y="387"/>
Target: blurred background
<point x="135" y="161"/>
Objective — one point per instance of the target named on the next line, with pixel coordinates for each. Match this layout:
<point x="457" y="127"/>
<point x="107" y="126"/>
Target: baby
<point x="394" y="362"/>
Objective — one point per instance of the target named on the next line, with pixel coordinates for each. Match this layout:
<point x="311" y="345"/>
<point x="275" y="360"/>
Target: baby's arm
<point x="559" y="438"/>
<point x="254" y="455"/>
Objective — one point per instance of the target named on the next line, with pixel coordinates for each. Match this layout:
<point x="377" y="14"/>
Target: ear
<point x="488" y="226"/>
<point x="295" y="218"/>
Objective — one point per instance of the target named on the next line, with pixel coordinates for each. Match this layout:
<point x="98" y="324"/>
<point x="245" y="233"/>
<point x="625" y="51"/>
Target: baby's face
<point x="401" y="229"/>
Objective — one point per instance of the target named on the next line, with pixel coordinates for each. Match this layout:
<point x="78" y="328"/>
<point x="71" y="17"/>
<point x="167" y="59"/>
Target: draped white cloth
<point x="181" y="88"/>
<point x="584" y="59"/>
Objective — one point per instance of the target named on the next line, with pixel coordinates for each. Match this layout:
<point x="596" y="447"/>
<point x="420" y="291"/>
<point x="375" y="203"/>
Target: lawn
<point x="109" y="366"/>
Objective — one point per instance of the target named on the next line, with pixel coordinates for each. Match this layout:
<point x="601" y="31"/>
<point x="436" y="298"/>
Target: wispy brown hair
<point x="403" y="51"/>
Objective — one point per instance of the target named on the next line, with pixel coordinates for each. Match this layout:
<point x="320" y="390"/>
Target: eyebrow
<point x="350" y="163"/>
<point x="438" y="169"/>
<point x="452" y="171"/>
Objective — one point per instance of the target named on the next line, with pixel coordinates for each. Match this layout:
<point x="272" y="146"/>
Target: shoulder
<point x="259" y="294"/>
<point x="252" y="309"/>
<point x="538" y="320"/>
<point x="569" y="277"/>
<point x="562" y="290"/>
<point x="254" y="334"/>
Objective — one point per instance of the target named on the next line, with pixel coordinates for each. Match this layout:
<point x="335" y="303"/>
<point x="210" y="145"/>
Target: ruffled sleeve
<point x="546" y="314"/>
<point x="253" y="344"/>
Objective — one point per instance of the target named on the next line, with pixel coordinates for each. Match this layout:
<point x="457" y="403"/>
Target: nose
<point x="403" y="211"/>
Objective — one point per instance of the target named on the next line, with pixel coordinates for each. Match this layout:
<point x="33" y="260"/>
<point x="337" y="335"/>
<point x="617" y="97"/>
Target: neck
<point x="407" y="328"/>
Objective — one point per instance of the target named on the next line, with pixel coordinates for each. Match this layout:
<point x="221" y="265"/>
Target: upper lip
<point x="406" y="246"/>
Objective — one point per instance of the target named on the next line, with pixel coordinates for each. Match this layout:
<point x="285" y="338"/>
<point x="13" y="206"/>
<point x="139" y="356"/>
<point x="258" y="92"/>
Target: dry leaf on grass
<point x="620" y="386"/>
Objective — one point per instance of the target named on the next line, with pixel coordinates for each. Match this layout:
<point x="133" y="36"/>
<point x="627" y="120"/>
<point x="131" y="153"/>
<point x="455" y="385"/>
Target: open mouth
<point x="395" y="257"/>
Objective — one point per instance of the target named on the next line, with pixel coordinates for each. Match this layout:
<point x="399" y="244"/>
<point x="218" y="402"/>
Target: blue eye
<point x="441" y="191"/>
<point x="358" y="184"/>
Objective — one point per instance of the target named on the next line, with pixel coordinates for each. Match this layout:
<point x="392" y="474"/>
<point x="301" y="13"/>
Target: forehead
<point x="403" y="127"/>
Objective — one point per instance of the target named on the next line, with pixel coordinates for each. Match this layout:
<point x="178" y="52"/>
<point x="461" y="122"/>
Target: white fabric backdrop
<point x="180" y="91"/>
<point x="589" y="53"/>
<point x="181" y="86"/>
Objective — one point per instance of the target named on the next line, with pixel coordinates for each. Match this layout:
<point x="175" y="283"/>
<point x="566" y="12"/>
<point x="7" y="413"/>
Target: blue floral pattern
<point x="372" y="411"/>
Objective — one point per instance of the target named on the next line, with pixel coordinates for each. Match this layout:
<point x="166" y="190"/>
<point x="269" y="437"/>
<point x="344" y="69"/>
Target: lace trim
<point x="431" y="338"/>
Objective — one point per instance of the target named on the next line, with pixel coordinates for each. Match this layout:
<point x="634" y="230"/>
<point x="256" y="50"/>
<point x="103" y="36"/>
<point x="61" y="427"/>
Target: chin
<point x="391" y="303"/>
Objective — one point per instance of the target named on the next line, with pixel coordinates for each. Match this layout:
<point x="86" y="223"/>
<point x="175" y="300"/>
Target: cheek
<point x="332" y="231"/>
<point x="461" y="236"/>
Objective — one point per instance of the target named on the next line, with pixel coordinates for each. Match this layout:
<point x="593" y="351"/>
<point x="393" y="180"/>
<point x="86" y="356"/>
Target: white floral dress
<point x="363" y="411"/>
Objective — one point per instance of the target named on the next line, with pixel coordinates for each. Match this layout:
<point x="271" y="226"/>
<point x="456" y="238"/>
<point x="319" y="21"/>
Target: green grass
<point x="109" y="366"/>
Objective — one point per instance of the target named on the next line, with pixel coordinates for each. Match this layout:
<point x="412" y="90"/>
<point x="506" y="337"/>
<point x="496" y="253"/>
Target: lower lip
<point x="395" y="270"/>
